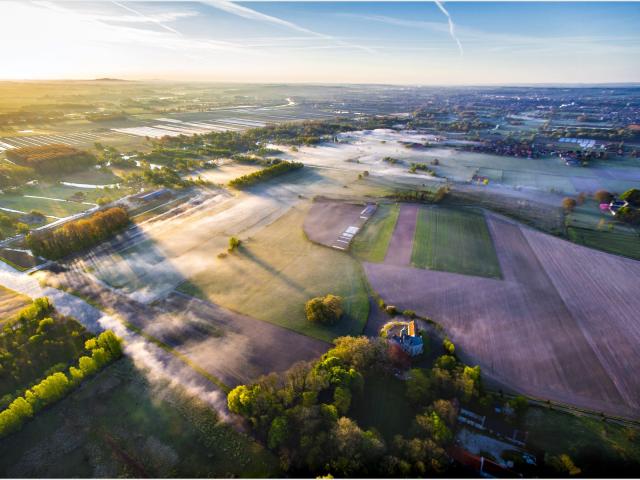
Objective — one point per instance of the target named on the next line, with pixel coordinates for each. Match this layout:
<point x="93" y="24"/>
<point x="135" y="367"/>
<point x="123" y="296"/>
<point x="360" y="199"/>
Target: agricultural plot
<point x="586" y="225"/>
<point x="399" y="251"/>
<point x="11" y="303"/>
<point x="278" y="270"/>
<point x="372" y="241"/>
<point x="560" y="325"/>
<point x="454" y="240"/>
<point x="334" y="224"/>
<point x="52" y="207"/>
<point x="68" y="138"/>
<point x="93" y="176"/>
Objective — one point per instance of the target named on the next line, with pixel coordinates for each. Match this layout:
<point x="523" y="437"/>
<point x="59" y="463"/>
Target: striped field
<point x="454" y="240"/>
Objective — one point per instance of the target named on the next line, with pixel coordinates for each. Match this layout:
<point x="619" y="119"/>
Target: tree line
<point x="265" y="174"/>
<point x="79" y="234"/>
<point x="306" y="416"/>
<point x="103" y="349"/>
<point x="33" y="343"/>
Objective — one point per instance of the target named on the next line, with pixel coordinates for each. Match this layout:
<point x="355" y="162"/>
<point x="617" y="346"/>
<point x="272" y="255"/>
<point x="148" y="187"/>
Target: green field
<point x="371" y="243"/>
<point x="587" y="226"/>
<point x="600" y="449"/>
<point x="383" y="405"/>
<point x="118" y="425"/>
<point x="454" y="240"/>
<point x="274" y="273"/>
<point x="92" y="176"/>
<point x="60" y="200"/>
<point x="47" y="207"/>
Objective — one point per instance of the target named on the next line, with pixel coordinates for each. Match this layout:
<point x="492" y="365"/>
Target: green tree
<point x="342" y="400"/>
<point x="569" y="204"/>
<point x="278" y="432"/>
<point x="325" y="310"/>
<point x="418" y="386"/>
<point x="449" y="347"/>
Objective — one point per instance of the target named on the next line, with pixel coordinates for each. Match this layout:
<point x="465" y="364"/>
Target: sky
<point x="417" y="43"/>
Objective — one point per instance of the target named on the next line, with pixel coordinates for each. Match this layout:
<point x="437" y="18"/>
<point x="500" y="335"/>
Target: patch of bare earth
<point x="553" y="328"/>
<point x="401" y="244"/>
<point x="328" y="219"/>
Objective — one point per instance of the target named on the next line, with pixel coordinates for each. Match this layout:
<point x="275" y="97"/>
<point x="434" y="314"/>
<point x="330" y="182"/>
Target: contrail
<point x="140" y="14"/>
<point x="245" y="12"/>
<point x="452" y="31"/>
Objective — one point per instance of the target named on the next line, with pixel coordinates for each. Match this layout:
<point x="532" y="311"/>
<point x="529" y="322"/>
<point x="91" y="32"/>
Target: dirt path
<point x="401" y="244"/>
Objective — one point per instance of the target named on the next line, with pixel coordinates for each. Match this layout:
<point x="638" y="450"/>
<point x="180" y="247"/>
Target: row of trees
<point x="159" y="177"/>
<point x="306" y="415"/>
<point x="427" y="196"/>
<point x="52" y="159"/>
<point x="265" y="174"/>
<point x="14" y="175"/>
<point x="104" y="349"/>
<point x="33" y="343"/>
<point x="79" y="234"/>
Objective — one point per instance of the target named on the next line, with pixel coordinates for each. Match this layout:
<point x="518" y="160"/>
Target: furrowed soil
<point x="562" y="324"/>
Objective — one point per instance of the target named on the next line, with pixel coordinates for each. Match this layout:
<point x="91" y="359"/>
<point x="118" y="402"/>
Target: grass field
<point x="92" y="176"/>
<point x="383" y="405"/>
<point x="274" y="273"/>
<point x="371" y="243"/>
<point x="11" y="303"/>
<point x="599" y="448"/>
<point x="47" y="207"/>
<point x="454" y="240"/>
<point x="118" y="425"/>
<point x="587" y="226"/>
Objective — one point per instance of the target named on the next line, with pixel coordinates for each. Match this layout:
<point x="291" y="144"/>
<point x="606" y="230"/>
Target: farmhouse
<point x="617" y="205"/>
<point x="408" y="340"/>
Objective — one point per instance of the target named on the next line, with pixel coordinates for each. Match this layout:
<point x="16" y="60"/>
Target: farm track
<point x="560" y="325"/>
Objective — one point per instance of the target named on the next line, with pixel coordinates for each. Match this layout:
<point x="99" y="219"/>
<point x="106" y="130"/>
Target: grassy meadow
<point x="587" y="226"/>
<point x="275" y="272"/>
<point x="454" y="240"/>
<point x="372" y="241"/>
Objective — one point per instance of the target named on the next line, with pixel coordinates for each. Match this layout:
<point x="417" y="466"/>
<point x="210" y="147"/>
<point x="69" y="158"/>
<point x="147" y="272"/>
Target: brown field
<point x="401" y="244"/>
<point x="11" y="303"/>
<point x="328" y="219"/>
<point x="560" y="325"/>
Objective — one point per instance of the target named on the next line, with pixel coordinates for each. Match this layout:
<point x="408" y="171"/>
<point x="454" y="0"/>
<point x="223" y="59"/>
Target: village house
<point x="409" y="340"/>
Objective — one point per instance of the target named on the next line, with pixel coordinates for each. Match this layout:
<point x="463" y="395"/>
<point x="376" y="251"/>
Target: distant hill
<point x="109" y="80"/>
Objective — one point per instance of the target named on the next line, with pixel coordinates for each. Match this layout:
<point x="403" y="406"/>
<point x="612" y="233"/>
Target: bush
<point x="325" y="310"/>
<point x="234" y="243"/>
<point x="449" y="347"/>
<point x="391" y="310"/>
<point x="632" y="196"/>
<point x="569" y="204"/>
<point x="602" y="196"/>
